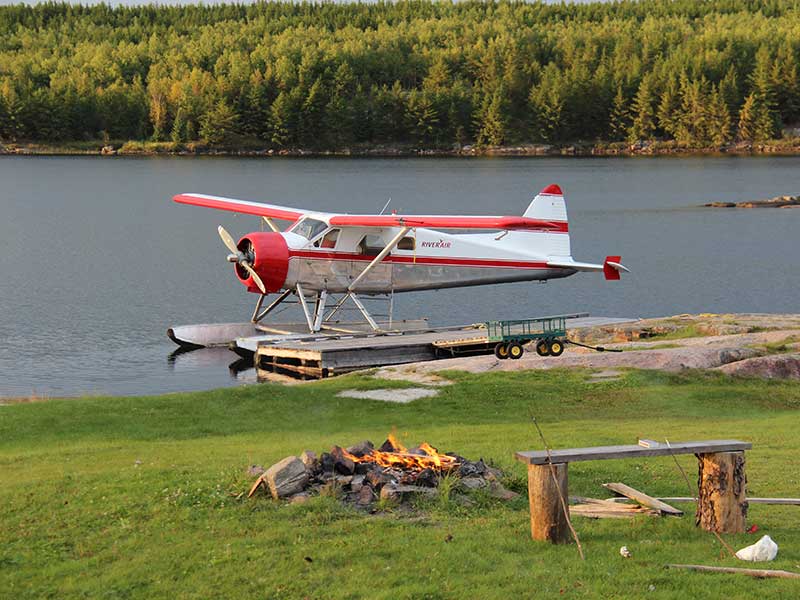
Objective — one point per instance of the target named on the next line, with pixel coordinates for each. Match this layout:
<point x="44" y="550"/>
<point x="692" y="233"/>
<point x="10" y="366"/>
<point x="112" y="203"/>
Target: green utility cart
<point x="549" y="333"/>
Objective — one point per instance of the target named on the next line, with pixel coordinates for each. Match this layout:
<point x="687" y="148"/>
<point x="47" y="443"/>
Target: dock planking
<point x="337" y="354"/>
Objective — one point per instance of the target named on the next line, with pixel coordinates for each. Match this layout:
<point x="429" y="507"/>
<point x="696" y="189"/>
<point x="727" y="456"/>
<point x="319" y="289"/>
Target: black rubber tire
<point x="515" y="351"/>
<point x="555" y="347"/>
<point x="542" y="348"/>
<point x="501" y="351"/>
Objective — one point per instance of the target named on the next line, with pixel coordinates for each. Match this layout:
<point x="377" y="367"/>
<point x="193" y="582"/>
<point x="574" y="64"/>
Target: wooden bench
<point x="721" y="506"/>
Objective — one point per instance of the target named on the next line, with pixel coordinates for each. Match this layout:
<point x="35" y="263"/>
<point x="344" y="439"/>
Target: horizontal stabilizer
<point x="611" y="268"/>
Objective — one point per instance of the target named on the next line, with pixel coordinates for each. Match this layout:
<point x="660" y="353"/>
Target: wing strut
<point x="381" y="255"/>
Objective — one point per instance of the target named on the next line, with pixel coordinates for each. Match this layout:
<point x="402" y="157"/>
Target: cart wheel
<point x="501" y="351"/>
<point x="556" y="347"/>
<point x="542" y="348"/>
<point x="515" y="350"/>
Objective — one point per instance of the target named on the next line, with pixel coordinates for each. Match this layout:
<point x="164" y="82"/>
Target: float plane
<point x="321" y="254"/>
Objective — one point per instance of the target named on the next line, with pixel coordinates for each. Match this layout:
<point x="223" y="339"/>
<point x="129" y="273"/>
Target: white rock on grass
<point x="401" y="395"/>
<point x="763" y="550"/>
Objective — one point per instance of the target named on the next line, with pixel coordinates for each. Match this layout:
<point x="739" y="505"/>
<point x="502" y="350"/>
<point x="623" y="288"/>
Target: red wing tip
<point x="552" y="189"/>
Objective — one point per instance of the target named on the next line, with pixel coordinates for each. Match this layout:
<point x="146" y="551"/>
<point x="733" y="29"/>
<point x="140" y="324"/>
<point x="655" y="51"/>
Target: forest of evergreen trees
<point x="412" y="72"/>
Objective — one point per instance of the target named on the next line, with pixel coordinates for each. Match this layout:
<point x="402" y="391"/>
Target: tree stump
<point x="722" y="501"/>
<point x="548" y="521"/>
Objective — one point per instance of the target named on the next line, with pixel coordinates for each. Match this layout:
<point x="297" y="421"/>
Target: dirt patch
<point x="412" y="376"/>
<point x="400" y="396"/>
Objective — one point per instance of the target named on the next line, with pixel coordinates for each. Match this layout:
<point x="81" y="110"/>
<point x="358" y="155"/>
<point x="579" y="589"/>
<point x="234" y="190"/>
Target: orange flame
<point x="403" y="459"/>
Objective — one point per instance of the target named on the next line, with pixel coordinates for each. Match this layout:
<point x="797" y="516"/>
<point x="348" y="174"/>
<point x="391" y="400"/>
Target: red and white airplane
<point x="332" y="253"/>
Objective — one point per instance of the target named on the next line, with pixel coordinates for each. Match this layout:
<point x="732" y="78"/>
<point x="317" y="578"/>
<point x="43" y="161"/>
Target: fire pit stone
<point x="286" y="477"/>
<point x="398" y="493"/>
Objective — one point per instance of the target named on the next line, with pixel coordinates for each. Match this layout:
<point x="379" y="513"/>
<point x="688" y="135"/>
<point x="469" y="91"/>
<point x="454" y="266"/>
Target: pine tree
<point x="218" y="126"/>
<point x="718" y="121"/>
<point x="178" y="134"/>
<point x="763" y="86"/>
<point x="620" y="118"/>
<point x="786" y="84"/>
<point x="422" y="117"/>
<point x="547" y="105"/>
<point x="668" y="109"/>
<point x="312" y="114"/>
<point x="729" y="90"/>
<point x="693" y="119"/>
<point x="644" y="113"/>
<point x="282" y="116"/>
<point x="491" y="121"/>
<point x="756" y="123"/>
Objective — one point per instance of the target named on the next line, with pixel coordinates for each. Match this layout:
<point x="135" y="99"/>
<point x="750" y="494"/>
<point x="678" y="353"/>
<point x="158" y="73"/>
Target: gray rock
<point x="398" y="493"/>
<point x="287" y="477"/>
<point x="472" y="483"/>
<point x="309" y="459"/>
<point x="775" y="366"/>
<point x="300" y="498"/>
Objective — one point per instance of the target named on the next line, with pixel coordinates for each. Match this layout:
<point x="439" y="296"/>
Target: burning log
<point x="343" y="461"/>
<point x="361" y="448"/>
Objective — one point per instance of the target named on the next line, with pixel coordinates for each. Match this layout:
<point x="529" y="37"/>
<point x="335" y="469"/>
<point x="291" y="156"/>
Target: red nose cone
<point x="271" y="260"/>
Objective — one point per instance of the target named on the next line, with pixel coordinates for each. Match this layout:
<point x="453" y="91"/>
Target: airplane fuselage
<point x="425" y="259"/>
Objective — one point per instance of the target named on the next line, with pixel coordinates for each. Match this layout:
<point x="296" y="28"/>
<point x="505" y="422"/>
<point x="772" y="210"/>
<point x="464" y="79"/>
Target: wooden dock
<point x="335" y="355"/>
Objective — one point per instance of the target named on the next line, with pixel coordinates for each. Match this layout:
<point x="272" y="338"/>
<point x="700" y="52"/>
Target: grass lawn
<point x="131" y="497"/>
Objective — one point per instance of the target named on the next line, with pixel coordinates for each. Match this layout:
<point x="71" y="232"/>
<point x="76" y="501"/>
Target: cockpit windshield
<point x="309" y="228"/>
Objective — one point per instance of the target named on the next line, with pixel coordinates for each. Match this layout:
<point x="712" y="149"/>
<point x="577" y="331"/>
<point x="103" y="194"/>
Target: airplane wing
<point x="448" y="222"/>
<point x="242" y="206"/>
<point x="611" y="268"/>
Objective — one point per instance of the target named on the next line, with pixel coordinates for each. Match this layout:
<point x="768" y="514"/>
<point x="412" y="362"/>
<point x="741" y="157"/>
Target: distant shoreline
<point x="784" y="147"/>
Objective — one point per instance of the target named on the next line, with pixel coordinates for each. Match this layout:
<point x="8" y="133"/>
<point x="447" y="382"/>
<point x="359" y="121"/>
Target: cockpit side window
<point x="309" y="228"/>
<point x="328" y="240"/>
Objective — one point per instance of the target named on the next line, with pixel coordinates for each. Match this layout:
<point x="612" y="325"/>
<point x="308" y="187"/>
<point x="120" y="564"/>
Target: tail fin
<point x="548" y="205"/>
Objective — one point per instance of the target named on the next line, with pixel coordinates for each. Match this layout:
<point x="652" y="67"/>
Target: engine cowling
<point x="269" y="256"/>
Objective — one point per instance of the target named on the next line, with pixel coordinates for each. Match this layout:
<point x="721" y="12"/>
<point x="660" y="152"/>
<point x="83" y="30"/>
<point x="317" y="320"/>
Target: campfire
<point x="361" y="474"/>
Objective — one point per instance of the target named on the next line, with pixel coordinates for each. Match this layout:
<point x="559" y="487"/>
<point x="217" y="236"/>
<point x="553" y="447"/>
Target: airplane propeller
<point x="239" y="257"/>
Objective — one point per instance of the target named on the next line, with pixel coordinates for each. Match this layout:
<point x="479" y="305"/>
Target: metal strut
<point x="258" y="316"/>
<point x="302" y="298"/>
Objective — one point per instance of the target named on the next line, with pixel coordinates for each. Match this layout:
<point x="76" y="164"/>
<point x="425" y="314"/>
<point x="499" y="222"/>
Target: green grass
<point x="132" y="497"/>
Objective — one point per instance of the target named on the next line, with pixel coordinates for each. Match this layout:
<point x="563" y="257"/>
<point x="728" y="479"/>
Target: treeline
<point x="412" y="72"/>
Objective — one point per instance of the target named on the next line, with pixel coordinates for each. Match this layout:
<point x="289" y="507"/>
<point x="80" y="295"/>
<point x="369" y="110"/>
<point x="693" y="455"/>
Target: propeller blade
<point x="254" y="275"/>
<point x="227" y="240"/>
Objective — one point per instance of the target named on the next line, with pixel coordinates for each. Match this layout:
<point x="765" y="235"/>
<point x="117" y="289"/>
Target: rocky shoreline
<point x="750" y="345"/>
<point x="788" y="147"/>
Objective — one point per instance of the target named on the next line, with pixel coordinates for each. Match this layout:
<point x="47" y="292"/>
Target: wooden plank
<point x="789" y="501"/>
<point x="610" y="510"/>
<point x="642" y="498"/>
<point x="539" y="457"/>
<point x="760" y="573"/>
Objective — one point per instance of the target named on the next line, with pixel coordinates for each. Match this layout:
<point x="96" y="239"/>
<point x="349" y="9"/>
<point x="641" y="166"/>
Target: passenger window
<point x="329" y="239"/>
<point x="371" y="245"/>
<point x="407" y="243"/>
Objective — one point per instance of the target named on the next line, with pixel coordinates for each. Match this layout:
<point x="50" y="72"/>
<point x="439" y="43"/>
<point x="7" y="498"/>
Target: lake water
<point x="97" y="262"/>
